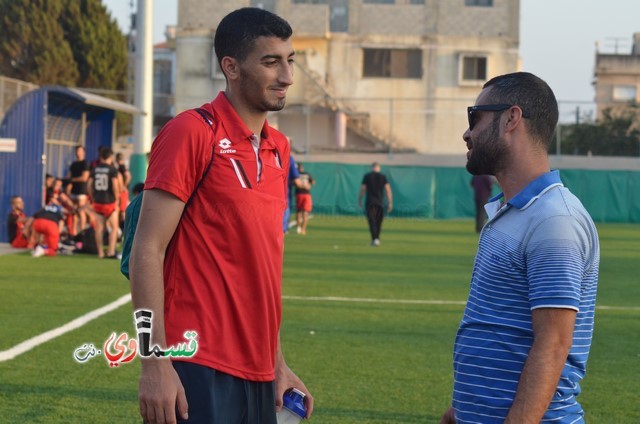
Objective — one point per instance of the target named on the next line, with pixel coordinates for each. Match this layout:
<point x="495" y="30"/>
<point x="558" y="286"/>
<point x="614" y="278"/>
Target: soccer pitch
<point x="370" y="330"/>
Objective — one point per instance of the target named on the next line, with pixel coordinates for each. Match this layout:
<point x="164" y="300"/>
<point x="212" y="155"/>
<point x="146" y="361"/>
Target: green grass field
<point x="370" y="330"/>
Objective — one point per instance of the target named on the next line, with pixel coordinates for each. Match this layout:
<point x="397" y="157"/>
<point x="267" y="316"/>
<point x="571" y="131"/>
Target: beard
<point x="488" y="152"/>
<point x="255" y="94"/>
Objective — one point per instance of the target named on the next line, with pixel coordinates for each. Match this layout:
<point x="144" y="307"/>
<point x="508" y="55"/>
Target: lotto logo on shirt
<point x="224" y="146"/>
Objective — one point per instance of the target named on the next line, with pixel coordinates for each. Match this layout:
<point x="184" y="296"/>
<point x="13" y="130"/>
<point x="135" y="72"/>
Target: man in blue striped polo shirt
<point x="522" y="346"/>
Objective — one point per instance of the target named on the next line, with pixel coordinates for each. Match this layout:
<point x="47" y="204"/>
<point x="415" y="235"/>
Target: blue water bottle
<point x="293" y="410"/>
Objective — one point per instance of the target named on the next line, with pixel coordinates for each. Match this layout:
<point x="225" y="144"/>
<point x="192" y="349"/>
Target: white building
<point x="372" y="75"/>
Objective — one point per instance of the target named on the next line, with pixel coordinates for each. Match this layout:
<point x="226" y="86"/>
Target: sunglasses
<point x="473" y="116"/>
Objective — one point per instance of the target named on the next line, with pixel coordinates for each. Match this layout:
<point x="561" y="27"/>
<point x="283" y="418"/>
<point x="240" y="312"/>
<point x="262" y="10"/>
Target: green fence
<point x="445" y="193"/>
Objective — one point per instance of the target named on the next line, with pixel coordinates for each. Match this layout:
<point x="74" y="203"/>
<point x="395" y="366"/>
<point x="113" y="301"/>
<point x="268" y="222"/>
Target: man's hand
<point x="448" y="417"/>
<point x="160" y="393"/>
<point x="285" y="380"/>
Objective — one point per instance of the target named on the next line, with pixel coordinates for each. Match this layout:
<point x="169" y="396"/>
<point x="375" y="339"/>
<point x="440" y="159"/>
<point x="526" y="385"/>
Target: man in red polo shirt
<point x="214" y="265"/>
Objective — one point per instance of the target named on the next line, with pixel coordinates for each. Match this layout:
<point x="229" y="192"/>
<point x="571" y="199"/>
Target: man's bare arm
<point x="363" y="188"/>
<point x="387" y="188"/>
<point x="553" y="335"/>
<point x="160" y="390"/>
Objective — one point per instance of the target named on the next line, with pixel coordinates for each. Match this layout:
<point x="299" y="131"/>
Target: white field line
<point x="27" y="345"/>
<point x="420" y="302"/>
<point x="90" y="316"/>
<point x="366" y="300"/>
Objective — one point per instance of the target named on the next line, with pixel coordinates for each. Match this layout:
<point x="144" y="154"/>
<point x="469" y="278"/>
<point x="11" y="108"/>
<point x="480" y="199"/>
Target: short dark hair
<point x="534" y="96"/>
<point x="105" y="152"/>
<point x="238" y="31"/>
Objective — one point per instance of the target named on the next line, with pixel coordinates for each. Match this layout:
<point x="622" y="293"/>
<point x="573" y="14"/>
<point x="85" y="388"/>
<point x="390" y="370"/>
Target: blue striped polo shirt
<point x="539" y="250"/>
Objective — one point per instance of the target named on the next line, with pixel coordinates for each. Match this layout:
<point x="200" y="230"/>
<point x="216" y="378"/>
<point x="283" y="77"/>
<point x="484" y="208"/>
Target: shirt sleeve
<point x="293" y="169"/>
<point x="179" y="156"/>
<point x="557" y="256"/>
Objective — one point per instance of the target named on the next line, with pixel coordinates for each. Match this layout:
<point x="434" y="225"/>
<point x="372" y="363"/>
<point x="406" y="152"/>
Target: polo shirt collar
<point x="236" y="128"/>
<point x="533" y="190"/>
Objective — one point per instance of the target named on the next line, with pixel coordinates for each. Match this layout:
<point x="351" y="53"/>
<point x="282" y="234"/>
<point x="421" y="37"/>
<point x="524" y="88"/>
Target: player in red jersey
<point x="208" y="252"/>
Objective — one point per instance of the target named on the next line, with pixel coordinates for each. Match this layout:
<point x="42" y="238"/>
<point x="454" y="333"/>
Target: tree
<point x="98" y="45"/>
<point x="32" y="43"/>
<point x="65" y="42"/>
<point x="616" y="134"/>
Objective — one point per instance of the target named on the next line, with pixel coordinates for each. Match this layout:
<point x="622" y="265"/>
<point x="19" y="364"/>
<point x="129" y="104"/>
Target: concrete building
<point x="164" y="73"/>
<point x="371" y="75"/>
<point x="617" y="79"/>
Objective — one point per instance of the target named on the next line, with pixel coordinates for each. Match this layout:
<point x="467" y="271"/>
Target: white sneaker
<point x="38" y="251"/>
<point x="375" y="242"/>
<point x="299" y="230"/>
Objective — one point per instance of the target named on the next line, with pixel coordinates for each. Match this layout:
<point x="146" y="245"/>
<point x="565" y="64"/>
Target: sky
<point x="557" y="40"/>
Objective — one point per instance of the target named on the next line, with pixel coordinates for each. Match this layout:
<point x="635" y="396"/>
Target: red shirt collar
<point x="235" y="126"/>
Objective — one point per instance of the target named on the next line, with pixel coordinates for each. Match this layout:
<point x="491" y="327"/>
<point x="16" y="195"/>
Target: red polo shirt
<point x="223" y="268"/>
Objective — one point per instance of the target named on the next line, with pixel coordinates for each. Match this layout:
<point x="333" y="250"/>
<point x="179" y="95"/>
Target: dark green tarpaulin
<point x="445" y="193"/>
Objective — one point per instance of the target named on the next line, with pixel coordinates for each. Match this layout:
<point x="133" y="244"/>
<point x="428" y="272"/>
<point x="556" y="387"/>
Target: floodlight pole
<point x="142" y="124"/>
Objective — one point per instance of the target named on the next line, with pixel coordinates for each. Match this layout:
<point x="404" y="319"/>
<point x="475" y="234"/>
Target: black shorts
<point x="218" y="398"/>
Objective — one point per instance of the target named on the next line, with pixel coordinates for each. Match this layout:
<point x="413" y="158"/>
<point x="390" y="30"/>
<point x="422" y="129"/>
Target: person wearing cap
<point x="208" y="249"/>
<point x="522" y="346"/>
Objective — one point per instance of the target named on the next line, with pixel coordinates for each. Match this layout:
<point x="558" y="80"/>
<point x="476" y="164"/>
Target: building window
<point x="417" y="2"/>
<point x="392" y="63"/>
<point x="625" y="93"/>
<point x="378" y="1"/>
<point x="473" y="69"/>
<point x="268" y="5"/>
<point x="338" y="13"/>
<point x="482" y="3"/>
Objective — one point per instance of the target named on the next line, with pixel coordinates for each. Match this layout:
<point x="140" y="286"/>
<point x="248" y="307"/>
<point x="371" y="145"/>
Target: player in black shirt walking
<point x="375" y="185"/>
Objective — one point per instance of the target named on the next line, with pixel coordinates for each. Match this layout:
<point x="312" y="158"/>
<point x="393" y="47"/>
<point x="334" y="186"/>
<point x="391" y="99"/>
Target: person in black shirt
<point x="104" y="187"/>
<point x="375" y="184"/>
<point x="77" y="189"/>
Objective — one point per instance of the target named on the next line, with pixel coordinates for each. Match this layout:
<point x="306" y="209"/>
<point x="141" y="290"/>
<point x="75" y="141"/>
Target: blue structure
<point x="47" y="124"/>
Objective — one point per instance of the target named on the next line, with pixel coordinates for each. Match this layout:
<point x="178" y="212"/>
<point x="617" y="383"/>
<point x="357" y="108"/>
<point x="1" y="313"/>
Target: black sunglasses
<point x="473" y="116"/>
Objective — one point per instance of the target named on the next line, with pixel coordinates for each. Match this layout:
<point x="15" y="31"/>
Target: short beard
<point x="488" y="153"/>
<point x="263" y="105"/>
<point x="275" y="106"/>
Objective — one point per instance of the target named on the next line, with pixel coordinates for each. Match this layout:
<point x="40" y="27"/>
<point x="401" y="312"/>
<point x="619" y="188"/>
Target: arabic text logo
<point x="123" y="349"/>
